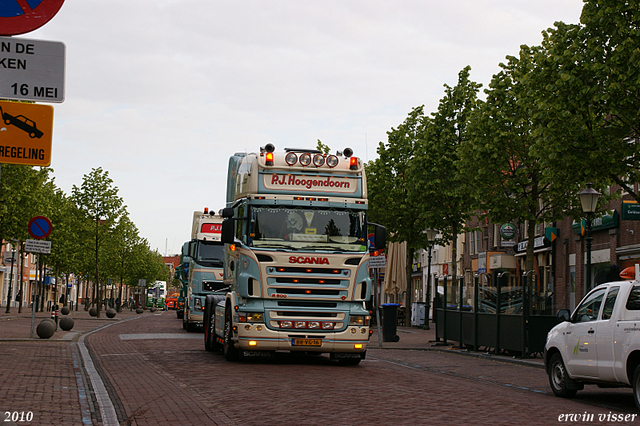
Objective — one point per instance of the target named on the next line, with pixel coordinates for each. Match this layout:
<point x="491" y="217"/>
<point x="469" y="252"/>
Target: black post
<point x="427" y="302"/>
<point x="460" y="299"/>
<point x="498" y="278"/>
<point x="13" y="259"/>
<point x="476" y="297"/>
<point x="444" y="312"/>
<point x="588" y="240"/>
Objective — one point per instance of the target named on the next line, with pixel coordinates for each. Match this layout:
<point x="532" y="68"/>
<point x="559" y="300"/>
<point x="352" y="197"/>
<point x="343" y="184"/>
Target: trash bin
<point x="390" y="322"/>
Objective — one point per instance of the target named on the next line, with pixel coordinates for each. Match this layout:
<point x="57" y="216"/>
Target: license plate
<point x="306" y="342"/>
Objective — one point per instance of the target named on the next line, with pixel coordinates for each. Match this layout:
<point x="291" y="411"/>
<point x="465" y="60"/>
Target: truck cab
<point x="206" y="261"/>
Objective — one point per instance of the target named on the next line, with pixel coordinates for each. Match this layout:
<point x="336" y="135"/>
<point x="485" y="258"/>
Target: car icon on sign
<point x="22" y="123"/>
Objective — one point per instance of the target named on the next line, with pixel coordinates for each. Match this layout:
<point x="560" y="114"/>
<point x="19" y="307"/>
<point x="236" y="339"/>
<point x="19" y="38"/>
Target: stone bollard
<point x="46" y="328"/>
<point x="111" y="313"/>
<point x="139" y="310"/>
<point x="65" y="310"/>
<point x="66" y="323"/>
<point x="93" y="312"/>
<point x="153" y="309"/>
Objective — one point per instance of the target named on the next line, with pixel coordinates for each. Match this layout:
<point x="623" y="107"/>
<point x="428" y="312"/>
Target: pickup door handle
<point x="591" y="331"/>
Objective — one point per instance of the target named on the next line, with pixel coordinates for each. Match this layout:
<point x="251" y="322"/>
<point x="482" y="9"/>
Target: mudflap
<point x="347" y="355"/>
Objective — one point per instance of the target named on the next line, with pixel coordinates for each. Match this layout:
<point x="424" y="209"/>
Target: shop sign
<point x="507" y="234"/>
<point x="630" y="210"/>
<point x="538" y="243"/>
<point x="610" y="219"/>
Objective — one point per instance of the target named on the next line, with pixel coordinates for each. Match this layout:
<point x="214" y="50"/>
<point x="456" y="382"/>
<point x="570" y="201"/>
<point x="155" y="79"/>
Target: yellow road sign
<point x="25" y="133"/>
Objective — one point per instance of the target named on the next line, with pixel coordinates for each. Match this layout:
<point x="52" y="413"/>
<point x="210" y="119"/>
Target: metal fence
<point x="495" y="312"/>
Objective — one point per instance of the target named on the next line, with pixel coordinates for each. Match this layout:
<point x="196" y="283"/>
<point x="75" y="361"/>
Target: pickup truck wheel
<point x="558" y="378"/>
<point x="229" y="351"/>
<point x="636" y="386"/>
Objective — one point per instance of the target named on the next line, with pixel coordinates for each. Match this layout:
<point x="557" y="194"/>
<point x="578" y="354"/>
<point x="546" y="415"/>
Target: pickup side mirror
<point x="227" y="236"/>
<point x="563" y="315"/>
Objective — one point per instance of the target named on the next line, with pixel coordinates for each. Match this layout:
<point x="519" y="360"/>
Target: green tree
<point x="389" y="186"/>
<point x="64" y="236"/>
<point x="508" y="181"/>
<point x="121" y="250"/>
<point x="589" y="99"/>
<point x="24" y="193"/>
<point x="439" y="190"/>
<point x="98" y="201"/>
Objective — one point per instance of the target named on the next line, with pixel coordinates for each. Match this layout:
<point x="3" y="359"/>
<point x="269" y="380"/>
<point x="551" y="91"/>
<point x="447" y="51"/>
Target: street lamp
<point x="431" y="237"/>
<point x="589" y="200"/>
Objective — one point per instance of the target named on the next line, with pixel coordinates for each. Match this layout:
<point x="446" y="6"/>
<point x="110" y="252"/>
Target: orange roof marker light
<point x="631" y="273"/>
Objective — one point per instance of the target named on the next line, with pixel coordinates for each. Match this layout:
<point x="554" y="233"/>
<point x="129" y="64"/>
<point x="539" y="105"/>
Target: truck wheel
<point x="230" y="352"/>
<point x="636" y="386"/>
<point x="558" y="377"/>
<point x="209" y="322"/>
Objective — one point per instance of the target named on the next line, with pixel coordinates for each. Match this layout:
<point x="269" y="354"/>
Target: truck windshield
<point x="300" y="228"/>
<point x="209" y="254"/>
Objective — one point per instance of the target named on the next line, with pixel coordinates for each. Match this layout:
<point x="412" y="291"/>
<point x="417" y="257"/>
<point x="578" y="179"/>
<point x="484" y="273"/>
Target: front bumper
<point x="346" y="341"/>
<point x="196" y="318"/>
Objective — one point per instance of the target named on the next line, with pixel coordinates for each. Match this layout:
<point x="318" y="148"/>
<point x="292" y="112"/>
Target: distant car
<point x="23" y="123"/>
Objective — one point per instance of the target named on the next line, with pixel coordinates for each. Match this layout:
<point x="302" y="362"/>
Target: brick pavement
<point x="156" y="381"/>
<point x="45" y="377"/>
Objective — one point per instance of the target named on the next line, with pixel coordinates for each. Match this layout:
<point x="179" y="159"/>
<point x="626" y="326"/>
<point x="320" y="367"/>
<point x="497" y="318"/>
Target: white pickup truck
<point x="599" y="343"/>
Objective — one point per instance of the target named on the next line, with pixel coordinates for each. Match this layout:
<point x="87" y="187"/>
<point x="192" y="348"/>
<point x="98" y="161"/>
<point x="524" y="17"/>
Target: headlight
<point x="360" y="320"/>
<point x="250" y="317"/>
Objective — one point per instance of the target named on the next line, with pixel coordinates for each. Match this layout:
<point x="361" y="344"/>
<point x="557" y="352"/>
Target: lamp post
<point x="589" y="200"/>
<point x="13" y="259"/>
<point x="431" y="236"/>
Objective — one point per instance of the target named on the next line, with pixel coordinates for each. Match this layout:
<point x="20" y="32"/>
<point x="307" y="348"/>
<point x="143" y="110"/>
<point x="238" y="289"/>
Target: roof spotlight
<point x="305" y="159"/>
<point x="318" y="160"/>
<point x="291" y="158"/>
<point x="332" y="161"/>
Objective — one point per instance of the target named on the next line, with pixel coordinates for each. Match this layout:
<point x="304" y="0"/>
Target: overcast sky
<point x="161" y="93"/>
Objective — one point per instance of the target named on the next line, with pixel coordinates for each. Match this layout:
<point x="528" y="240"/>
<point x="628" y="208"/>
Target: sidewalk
<point x="415" y="338"/>
<point x="16" y="326"/>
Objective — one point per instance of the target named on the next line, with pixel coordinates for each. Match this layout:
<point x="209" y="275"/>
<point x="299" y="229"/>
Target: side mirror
<point x="380" y="236"/>
<point x="227" y="212"/>
<point x="563" y="315"/>
<point x="227" y="236"/>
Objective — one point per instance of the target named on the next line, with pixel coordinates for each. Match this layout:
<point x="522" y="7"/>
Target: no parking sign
<point x="22" y="16"/>
<point x="40" y="227"/>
